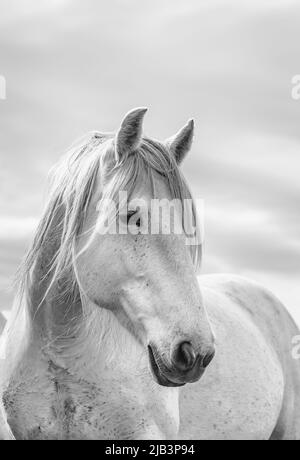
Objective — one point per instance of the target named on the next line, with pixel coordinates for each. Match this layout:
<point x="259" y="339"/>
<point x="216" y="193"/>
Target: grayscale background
<point x="72" y="66"/>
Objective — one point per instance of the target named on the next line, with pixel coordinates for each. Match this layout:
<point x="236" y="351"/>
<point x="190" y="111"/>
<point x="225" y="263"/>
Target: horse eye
<point x="130" y="214"/>
<point x="137" y="223"/>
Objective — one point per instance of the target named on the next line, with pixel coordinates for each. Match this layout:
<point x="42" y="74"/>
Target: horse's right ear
<point x="130" y="133"/>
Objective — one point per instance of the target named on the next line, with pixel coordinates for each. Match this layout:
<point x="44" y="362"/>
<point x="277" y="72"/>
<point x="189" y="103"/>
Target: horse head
<point x="146" y="278"/>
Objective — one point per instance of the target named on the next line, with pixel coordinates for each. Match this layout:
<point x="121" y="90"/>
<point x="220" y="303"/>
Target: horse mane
<point x="73" y="184"/>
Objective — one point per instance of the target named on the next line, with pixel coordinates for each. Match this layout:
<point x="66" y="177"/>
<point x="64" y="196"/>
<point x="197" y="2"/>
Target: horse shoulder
<point x="234" y="297"/>
<point x="261" y="305"/>
<point x="241" y="394"/>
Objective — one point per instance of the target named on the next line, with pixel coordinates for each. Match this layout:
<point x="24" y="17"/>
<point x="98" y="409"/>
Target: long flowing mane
<point x="73" y="183"/>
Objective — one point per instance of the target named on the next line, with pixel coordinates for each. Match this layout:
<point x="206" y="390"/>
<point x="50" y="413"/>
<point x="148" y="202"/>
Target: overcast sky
<point x="73" y="66"/>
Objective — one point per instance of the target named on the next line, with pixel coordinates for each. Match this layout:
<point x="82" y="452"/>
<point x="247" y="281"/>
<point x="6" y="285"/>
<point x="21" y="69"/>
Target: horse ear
<point x="181" y="143"/>
<point x="130" y="133"/>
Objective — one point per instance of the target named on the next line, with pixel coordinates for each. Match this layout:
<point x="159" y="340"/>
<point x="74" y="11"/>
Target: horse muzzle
<point x="187" y="366"/>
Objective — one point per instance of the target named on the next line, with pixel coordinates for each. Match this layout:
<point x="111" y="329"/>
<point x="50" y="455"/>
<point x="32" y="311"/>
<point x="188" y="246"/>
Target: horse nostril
<point x="208" y="358"/>
<point x="184" y="357"/>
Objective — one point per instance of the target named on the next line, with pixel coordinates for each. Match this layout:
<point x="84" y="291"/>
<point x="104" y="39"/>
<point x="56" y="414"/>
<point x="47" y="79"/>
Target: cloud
<point x="28" y="10"/>
<point x="286" y="288"/>
<point x="14" y="228"/>
<point x="251" y="239"/>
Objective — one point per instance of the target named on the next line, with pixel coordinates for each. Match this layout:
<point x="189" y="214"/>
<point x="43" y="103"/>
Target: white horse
<point x="111" y="334"/>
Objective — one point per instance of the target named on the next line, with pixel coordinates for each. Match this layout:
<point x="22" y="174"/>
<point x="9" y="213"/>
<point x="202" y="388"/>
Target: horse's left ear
<point x="181" y="143"/>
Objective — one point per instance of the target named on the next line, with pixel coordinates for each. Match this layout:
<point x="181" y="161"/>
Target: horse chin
<point x="159" y="377"/>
